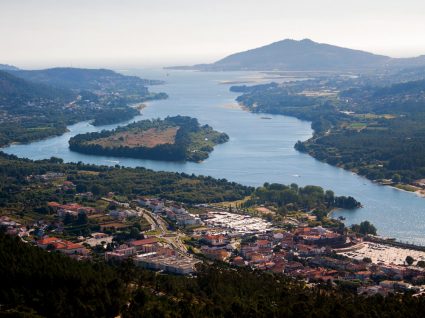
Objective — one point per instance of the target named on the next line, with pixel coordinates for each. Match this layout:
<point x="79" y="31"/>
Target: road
<point x="158" y="224"/>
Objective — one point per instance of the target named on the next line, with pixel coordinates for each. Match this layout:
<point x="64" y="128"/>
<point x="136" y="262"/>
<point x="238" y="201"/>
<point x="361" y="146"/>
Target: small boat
<point x="265" y="117"/>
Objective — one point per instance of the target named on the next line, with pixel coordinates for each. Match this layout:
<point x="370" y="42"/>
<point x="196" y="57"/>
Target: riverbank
<point x="258" y="151"/>
<point x="301" y="147"/>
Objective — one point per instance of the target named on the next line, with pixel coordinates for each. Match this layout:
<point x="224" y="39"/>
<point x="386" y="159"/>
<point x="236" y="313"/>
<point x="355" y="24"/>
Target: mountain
<point x="305" y="55"/>
<point x="6" y="67"/>
<point x="85" y="79"/>
<point x="292" y="55"/>
<point x="12" y="87"/>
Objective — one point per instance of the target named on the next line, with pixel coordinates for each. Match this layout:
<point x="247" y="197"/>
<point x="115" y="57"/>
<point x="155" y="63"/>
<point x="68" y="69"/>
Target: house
<point x="123" y="214"/>
<point x="46" y="241"/>
<point x="67" y="185"/>
<point x="67" y="247"/>
<point x="62" y="246"/>
<point x="121" y="253"/>
<point x="146" y="245"/>
<point x="215" y="240"/>
<point x="292" y="266"/>
<point x="86" y="195"/>
<point x="264" y="244"/>
<point x="178" y="209"/>
<point x="187" y="219"/>
<point x="72" y="208"/>
<point x="247" y="249"/>
<point x="219" y="254"/>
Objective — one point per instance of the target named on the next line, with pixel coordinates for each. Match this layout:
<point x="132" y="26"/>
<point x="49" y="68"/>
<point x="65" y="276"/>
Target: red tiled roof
<point x="66" y="245"/>
<point x="214" y="237"/>
<point x="150" y="240"/>
<point x="48" y="240"/>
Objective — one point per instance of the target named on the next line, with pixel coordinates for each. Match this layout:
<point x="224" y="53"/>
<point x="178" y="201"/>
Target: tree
<point x="68" y="219"/>
<point x="364" y="228"/>
<point x="396" y="178"/>
<point x="409" y="260"/>
<point x="367" y="260"/>
<point x="134" y="233"/>
<point x="82" y="218"/>
<point x="421" y="264"/>
<point x="81" y="188"/>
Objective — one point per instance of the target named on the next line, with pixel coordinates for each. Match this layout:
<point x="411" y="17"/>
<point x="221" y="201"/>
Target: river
<point x="259" y="150"/>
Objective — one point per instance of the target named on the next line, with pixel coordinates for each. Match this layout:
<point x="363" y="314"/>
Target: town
<point x="172" y="237"/>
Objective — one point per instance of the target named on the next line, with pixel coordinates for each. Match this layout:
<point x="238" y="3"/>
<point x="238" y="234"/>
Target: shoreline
<point x="420" y="192"/>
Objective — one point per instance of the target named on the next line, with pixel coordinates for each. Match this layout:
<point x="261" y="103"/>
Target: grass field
<point x="139" y="138"/>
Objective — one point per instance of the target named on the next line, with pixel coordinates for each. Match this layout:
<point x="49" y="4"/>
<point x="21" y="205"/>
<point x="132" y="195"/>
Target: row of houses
<point x="172" y="211"/>
<point x="72" y="208"/>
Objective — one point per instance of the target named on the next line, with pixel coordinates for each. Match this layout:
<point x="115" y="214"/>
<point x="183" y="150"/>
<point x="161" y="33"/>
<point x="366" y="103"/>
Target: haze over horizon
<point x="96" y="33"/>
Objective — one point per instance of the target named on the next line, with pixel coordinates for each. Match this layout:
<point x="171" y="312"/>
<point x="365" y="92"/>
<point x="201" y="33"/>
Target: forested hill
<point x="42" y="103"/>
<point x="85" y="79"/>
<point x="13" y="88"/>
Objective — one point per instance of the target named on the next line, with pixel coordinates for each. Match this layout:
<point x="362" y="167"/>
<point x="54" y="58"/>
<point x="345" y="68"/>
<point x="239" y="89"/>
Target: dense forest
<point x="36" y="283"/>
<point x="16" y="196"/>
<point x="295" y="198"/>
<point x="42" y="103"/>
<point x="376" y="131"/>
<point x="192" y="141"/>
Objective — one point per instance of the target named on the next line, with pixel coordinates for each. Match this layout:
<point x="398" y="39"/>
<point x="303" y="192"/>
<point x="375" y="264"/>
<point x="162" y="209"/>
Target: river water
<point x="259" y="150"/>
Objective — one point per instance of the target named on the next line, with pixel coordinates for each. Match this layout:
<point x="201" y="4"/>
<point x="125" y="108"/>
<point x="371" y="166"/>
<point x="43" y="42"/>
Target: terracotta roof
<point x="48" y="240"/>
<point x="66" y="245"/>
<point x="150" y="240"/>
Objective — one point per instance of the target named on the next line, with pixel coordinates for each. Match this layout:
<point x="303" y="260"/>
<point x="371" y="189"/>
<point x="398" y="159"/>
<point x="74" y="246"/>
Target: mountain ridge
<point x="304" y="55"/>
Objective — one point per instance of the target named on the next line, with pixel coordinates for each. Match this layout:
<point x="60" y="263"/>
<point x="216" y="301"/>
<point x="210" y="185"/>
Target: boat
<point x="265" y="117"/>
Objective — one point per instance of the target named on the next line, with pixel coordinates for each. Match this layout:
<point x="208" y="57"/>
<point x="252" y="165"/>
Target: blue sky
<point x="35" y="33"/>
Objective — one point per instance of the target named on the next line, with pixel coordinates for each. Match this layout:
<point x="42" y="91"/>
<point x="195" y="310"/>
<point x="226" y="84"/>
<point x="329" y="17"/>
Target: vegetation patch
<point x="176" y="138"/>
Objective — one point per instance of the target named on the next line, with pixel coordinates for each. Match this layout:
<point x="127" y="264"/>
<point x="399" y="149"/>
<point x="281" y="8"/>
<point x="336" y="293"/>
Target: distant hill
<point x="305" y="55"/>
<point x="14" y="88"/>
<point x="6" y="67"/>
<point x="85" y="79"/>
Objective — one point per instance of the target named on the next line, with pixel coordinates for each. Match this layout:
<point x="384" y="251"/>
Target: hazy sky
<point x="36" y="33"/>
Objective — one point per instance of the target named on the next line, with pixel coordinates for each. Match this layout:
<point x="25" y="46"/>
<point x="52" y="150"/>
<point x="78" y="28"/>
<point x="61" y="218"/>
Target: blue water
<point x="259" y="150"/>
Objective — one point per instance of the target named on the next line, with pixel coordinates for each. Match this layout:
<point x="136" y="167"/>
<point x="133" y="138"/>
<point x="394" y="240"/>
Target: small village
<point x="171" y="237"/>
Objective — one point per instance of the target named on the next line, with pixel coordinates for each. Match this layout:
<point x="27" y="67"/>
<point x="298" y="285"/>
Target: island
<point x="178" y="138"/>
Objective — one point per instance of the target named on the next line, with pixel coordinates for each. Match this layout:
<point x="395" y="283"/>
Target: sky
<point x="43" y="33"/>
